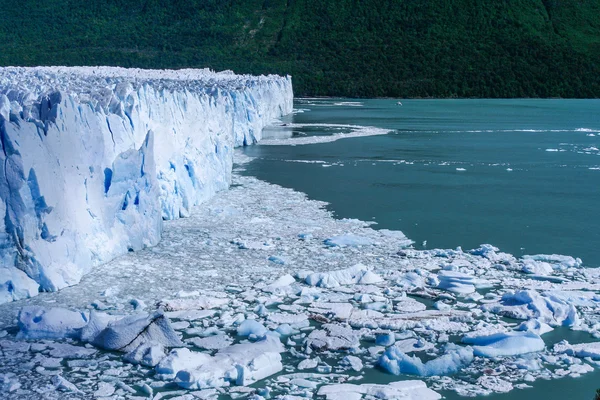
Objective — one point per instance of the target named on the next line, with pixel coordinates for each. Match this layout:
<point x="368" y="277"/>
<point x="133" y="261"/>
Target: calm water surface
<point x="523" y="175"/>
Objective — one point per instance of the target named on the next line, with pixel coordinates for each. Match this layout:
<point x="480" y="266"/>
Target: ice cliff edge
<point x="94" y="158"/>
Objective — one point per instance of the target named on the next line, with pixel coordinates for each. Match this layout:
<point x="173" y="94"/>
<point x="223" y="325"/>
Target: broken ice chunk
<point x="128" y="333"/>
<point x="148" y="354"/>
<point x="535" y="326"/>
<point x="454" y="358"/>
<point x="353" y="362"/>
<point x="591" y="350"/>
<point x="309" y="363"/>
<point x="62" y="384"/>
<point x="459" y="282"/>
<point x="251" y="327"/>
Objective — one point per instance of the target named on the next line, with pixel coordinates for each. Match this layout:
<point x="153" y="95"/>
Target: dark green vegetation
<point x="403" y="48"/>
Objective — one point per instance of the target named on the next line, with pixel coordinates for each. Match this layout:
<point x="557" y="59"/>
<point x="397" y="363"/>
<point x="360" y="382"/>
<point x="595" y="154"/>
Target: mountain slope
<point x="464" y="48"/>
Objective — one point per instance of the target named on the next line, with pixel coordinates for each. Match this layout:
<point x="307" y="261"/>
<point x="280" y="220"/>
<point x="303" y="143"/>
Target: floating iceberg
<point x="454" y="358"/>
<point x="591" y="350"/>
<point x="240" y="364"/>
<point x="554" y="309"/>
<point x="127" y="333"/>
<point x="50" y="323"/>
<point x="504" y="344"/>
<point x="459" y="282"/>
<point x="94" y="158"/>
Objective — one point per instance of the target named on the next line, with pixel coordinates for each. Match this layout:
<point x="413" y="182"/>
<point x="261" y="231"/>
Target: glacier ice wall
<point x="94" y="158"/>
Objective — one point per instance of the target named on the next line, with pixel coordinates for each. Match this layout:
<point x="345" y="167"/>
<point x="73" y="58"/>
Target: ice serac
<point x="94" y="158"/>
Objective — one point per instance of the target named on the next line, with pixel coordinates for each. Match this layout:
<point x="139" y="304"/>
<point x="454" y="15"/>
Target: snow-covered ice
<point x="504" y="344"/>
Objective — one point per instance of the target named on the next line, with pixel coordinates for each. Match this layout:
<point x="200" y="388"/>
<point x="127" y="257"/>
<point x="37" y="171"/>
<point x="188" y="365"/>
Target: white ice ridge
<point x="94" y="158"/>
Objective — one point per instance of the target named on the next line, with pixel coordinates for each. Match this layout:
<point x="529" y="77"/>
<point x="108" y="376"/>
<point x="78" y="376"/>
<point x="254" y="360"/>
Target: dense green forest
<point x="356" y="48"/>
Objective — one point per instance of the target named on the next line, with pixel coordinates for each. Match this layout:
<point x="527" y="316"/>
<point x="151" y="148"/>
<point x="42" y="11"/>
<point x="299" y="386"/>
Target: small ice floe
<point x="309" y="363"/>
<point x="406" y="390"/>
<point x="459" y="282"/>
<point x="409" y="305"/>
<point x="353" y="362"/>
<point x="339" y="311"/>
<point x="495" y="384"/>
<point x="503" y="344"/>
<point x="296" y="320"/>
<point x="535" y="326"/>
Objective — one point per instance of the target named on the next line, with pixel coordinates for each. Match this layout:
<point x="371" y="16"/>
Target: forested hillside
<point x="400" y="48"/>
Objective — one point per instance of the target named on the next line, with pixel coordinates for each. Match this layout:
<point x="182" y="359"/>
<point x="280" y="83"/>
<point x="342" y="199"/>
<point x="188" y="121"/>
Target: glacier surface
<point x="94" y="158"/>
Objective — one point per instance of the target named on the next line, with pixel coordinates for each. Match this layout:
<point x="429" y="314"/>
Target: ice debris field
<point x="260" y="293"/>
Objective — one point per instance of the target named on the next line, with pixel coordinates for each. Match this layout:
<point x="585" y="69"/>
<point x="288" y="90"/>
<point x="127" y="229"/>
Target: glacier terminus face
<point x="95" y="158"/>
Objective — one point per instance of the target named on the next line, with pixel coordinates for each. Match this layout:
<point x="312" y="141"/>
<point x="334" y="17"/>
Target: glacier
<point x="221" y="320"/>
<point x="95" y="158"/>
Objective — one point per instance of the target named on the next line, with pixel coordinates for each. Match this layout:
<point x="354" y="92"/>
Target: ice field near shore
<point x="261" y="293"/>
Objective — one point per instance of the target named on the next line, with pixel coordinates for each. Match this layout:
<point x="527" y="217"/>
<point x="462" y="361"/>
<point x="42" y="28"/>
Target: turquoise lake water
<point x="523" y="175"/>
